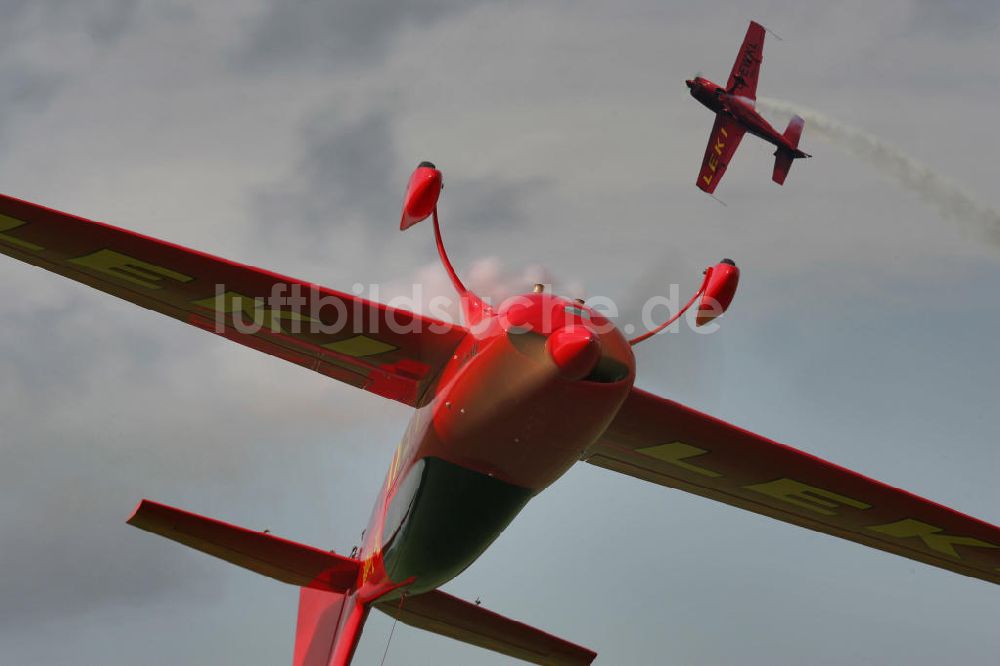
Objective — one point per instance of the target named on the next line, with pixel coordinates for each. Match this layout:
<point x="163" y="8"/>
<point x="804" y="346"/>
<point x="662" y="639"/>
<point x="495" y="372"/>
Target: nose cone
<point x="689" y="83"/>
<point x="575" y="351"/>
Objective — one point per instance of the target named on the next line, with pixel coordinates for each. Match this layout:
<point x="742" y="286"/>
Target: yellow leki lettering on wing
<point x="719" y="143"/>
<point x="130" y="269"/>
<point x="933" y="537"/>
<point x="677" y="453"/>
<point x="256" y="309"/>
<point x="6" y="224"/>
<point x="805" y="496"/>
<point x="359" y="345"/>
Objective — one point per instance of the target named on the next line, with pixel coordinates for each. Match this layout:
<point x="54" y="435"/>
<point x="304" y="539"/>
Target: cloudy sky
<point x="281" y="134"/>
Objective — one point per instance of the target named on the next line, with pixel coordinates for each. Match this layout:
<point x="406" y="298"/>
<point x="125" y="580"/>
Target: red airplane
<point x="735" y="115"/>
<point x="504" y="405"/>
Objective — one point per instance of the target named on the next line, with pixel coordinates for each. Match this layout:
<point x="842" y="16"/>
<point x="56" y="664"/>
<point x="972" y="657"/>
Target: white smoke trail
<point x="948" y="197"/>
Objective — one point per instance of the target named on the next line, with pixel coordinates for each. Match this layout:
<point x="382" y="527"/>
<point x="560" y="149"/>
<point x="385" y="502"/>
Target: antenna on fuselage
<point x="419" y="203"/>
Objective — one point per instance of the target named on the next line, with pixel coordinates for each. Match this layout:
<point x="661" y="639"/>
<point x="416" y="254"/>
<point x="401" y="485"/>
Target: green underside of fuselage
<point x="441" y="519"/>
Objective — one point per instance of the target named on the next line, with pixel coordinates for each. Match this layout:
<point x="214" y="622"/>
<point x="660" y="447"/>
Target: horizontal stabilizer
<point x="449" y="616"/>
<point x="259" y="552"/>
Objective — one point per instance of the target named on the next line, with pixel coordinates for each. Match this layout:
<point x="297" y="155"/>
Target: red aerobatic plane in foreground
<point x="736" y="115"/>
<point x="504" y="405"/>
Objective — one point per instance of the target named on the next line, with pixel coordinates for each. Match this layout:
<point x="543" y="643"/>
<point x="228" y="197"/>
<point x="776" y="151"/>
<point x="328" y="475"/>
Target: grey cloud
<point x="490" y="205"/>
<point x="25" y="89"/>
<point x="342" y="182"/>
<point x="104" y="21"/>
<point x="957" y="18"/>
<point x="56" y="543"/>
<point x="12" y="10"/>
<point x="336" y="33"/>
<point x="72" y="486"/>
<point x="30" y="79"/>
<point x="112" y="20"/>
<point x="123" y="403"/>
<point x="348" y="183"/>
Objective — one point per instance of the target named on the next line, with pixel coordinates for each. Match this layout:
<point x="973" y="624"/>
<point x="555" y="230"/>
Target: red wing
<point x="449" y="616"/>
<point x="743" y="78"/>
<point x="722" y="144"/>
<point x="666" y="443"/>
<point x="393" y="353"/>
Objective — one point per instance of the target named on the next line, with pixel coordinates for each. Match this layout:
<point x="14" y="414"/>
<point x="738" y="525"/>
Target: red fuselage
<point x="740" y="109"/>
<point x="530" y="388"/>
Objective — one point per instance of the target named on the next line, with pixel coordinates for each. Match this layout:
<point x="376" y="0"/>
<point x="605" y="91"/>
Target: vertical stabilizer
<point x="794" y="130"/>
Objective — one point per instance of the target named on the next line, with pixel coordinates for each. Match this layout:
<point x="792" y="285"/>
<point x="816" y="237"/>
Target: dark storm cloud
<point x="342" y="181"/>
<point x="348" y="180"/>
<point x="336" y="33"/>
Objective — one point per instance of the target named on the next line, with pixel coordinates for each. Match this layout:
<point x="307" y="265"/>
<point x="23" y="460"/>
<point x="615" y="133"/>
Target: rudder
<point x="782" y="163"/>
<point x="328" y="628"/>
<point x="783" y="157"/>
<point x="316" y="628"/>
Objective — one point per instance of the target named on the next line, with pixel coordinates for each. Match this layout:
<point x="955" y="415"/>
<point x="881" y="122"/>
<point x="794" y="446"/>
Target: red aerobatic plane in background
<point x="504" y="405"/>
<point x="736" y="115"/>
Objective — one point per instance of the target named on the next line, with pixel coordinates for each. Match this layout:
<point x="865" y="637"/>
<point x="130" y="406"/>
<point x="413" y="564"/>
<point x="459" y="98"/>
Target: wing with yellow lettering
<point x="722" y="144"/>
<point x="390" y="352"/>
<point x="666" y="443"/>
<point x="743" y="78"/>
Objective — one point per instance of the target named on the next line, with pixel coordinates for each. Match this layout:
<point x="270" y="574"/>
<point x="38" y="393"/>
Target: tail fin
<point x="794" y="130"/>
<point x="330" y="616"/>
<point x="782" y="163"/>
<point x="783" y="156"/>
<point x="328" y="629"/>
